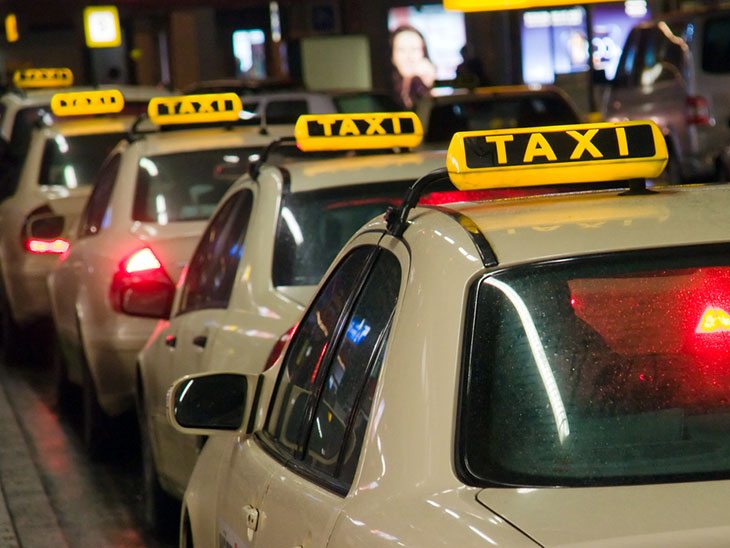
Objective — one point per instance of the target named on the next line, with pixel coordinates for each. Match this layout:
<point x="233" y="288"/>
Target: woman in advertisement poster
<point x="413" y="71"/>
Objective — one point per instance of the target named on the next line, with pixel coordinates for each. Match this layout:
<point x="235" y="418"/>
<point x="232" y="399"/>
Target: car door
<point x="289" y="482"/>
<point x="204" y="298"/>
<point x="68" y="278"/>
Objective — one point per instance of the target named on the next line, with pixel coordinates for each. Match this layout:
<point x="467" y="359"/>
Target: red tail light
<point x="141" y="287"/>
<point x="278" y="348"/>
<point x="698" y="111"/>
<point x="43" y="246"/>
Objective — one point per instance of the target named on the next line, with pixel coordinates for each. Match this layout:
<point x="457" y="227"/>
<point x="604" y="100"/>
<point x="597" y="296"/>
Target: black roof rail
<point x="254" y="168"/>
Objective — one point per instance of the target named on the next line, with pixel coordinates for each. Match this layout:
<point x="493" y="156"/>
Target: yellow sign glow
<point x="579" y="153"/>
<point x="101" y="27"/>
<point x="11" y="28"/>
<point x="499" y="5"/>
<point x="195" y="109"/>
<point x="372" y="130"/>
<point x="713" y="320"/>
<point x="108" y="101"/>
<point x="43" y="78"/>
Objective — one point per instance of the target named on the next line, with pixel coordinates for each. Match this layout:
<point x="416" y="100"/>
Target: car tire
<point x="64" y="389"/>
<point x="94" y="422"/>
<point x="160" y="509"/>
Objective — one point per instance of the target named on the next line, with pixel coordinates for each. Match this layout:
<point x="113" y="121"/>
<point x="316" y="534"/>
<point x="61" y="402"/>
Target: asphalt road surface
<point x="97" y="503"/>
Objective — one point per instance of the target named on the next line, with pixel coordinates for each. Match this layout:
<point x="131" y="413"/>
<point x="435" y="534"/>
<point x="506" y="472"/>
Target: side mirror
<point x="45" y="227"/>
<point x="208" y="403"/>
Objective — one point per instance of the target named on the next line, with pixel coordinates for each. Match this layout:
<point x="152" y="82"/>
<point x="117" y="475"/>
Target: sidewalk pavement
<point x="27" y="519"/>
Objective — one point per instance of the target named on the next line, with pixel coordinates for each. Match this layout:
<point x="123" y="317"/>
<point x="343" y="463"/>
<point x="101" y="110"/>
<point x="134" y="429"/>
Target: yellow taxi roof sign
<point x="551" y="155"/>
<point x="108" y="101"/>
<point x="195" y="109"/>
<point x="43" y="78"/>
<point x="372" y="130"/>
<point x="501" y="5"/>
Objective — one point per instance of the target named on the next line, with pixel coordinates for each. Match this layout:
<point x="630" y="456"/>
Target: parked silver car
<point x="675" y="70"/>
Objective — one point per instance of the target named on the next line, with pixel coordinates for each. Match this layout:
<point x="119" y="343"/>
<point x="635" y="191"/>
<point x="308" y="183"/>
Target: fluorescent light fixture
<point x="101" y="27"/>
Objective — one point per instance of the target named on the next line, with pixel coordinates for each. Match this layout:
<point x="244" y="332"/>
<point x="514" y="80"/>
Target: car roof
<point x="334" y="172"/>
<point x="572" y="224"/>
<point x="167" y="142"/>
<point x="91" y="125"/>
<point x="36" y="97"/>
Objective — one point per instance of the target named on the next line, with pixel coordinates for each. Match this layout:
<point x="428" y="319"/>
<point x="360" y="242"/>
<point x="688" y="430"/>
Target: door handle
<point x="200" y="341"/>
<point x="171" y="341"/>
<point x="252" y="517"/>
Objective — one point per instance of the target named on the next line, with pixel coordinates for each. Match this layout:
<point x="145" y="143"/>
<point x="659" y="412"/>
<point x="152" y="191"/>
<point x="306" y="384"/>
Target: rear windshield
<point x="604" y="371"/>
<point x="74" y="161"/>
<point x="498" y="113"/>
<point x="26" y="119"/>
<point x="313" y="227"/>
<point x="186" y="186"/>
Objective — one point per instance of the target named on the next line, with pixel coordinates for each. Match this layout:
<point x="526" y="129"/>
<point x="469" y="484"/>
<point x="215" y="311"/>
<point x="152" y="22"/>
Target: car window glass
<point x="627" y="62"/>
<point x="536" y="109"/>
<point x="73" y="161"/>
<point x="286" y="421"/>
<point x="212" y="270"/>
<point x="285" y="112"/>
<point x="611" y="370"/>
<point x="95" y="215"/>
<point x="186" y="186"/>
<point x="352" y="376"/>
<point x="716" y="46"/>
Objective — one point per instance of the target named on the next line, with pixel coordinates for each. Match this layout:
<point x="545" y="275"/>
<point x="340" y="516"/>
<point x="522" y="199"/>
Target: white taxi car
<point x="543" y="371"/>
<point x="30" y="99"/>
<point x="47" y="198"/>
<point x="257" y="265"/>
<point x="149" y="205"/>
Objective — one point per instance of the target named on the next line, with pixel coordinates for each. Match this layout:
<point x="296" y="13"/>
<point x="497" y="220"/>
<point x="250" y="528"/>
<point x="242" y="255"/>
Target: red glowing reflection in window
<point x="714" y="320"/>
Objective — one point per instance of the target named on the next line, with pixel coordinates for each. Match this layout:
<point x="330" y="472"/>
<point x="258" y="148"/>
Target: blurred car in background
<point x="675" y="70"/>
<point x="149" y="205"/>
<point x="21" y="107"/>
<point x="255" y="268"/>
<point x="41" y="203"/>
<point x="446" y="112"/>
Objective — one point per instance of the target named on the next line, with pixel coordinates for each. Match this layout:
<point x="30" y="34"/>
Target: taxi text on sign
<point x="110" y="101"/>
<point x="372" y="130"/>
<point x="195" y="109"/>
<point x="556" y="154"/>
<point x="43" y="78"/>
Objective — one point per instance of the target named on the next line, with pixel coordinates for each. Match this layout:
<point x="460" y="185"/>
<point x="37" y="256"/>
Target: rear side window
<point x="74" y="161"/>
<point x="497" y="113"/>
<point x="186" y="186"/>
<point x="96" y="213"/>
<point x="212" y="270"/>
<point x="716" y="46"/>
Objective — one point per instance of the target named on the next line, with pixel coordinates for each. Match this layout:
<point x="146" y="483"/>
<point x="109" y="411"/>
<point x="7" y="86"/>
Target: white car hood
<point x="666" y="515"/>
